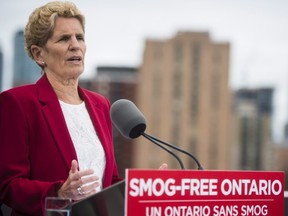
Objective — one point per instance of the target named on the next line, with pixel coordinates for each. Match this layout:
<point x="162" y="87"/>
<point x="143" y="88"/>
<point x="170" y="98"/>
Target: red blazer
<point x="36" y="149"/>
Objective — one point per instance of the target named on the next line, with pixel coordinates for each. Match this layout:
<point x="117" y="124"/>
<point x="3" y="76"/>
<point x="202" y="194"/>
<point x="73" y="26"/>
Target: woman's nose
<point x="74" y="43"/>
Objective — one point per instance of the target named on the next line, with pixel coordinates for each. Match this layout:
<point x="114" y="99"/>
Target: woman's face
<point x="65" y="50"/>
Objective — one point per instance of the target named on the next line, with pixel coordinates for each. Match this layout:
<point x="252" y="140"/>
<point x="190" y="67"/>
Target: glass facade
<point x="25" y="69"/>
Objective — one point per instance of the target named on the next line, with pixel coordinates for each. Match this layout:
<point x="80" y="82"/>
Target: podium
<point x="108" y="202"/>
<point x="188" y="192"/>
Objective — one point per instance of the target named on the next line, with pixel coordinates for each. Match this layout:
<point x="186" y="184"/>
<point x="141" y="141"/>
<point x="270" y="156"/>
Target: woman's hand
<point x="79" y="184"/>
<point x="164" y="166"/>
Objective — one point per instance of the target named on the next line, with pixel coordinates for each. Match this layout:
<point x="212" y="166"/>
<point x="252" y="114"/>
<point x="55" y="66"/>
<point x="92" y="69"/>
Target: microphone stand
<point x="155" y="141"/>
<point x="174" y="147"/>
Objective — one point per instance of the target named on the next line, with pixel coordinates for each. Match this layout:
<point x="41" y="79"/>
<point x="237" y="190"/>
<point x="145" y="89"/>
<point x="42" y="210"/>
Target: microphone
<point x="127" y="118"/>
<point x="131" y="123"/>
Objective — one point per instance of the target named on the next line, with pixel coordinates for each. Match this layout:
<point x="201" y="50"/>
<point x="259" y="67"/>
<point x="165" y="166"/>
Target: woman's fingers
<point x="163" y="166"/>
<point x="74" y="166"/>
<point x="79" y="184"/>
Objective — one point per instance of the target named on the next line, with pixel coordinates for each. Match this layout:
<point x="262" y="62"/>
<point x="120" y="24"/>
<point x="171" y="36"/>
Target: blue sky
<point x="116" y="31"/>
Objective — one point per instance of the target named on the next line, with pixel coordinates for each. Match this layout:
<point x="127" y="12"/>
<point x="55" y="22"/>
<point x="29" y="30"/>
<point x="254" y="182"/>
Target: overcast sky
<point x="116" y="30"/>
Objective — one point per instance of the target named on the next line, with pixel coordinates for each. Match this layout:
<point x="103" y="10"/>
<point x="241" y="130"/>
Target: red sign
<point x="203" y="193"/>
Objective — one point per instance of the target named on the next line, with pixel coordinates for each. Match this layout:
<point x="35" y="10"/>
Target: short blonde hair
<point x="41" y="22"/>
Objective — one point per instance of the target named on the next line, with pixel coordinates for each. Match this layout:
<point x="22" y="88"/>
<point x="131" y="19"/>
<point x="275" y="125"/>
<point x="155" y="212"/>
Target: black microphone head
<point x="127" y="118"/>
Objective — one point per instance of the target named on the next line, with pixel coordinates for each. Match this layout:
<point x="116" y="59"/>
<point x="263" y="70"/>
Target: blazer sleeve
<point x="16" y="187"/>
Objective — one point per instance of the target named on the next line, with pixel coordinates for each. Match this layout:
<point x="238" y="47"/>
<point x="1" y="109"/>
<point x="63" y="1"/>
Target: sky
<point x="116" y="30"/>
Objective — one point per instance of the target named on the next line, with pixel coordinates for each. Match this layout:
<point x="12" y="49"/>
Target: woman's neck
<point x="66" y="89"/>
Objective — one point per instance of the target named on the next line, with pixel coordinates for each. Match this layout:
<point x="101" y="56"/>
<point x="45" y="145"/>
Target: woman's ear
<point x="37" y="55"/>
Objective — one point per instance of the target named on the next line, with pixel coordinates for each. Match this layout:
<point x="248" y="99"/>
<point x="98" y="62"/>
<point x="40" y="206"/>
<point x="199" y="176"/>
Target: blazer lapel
<point x="100" y="123"/>
<point x="55" y="120"/>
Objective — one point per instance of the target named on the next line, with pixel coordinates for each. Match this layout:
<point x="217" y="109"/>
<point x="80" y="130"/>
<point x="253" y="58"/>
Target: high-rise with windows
<point x="252" y="148"/>
<point x="25" y="69"/>
<point x="185" y="96"/>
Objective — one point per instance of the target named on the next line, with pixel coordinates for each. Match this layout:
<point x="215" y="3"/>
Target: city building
<point x="280" y="159"/>
<point x="252" y="134"/>
<point x="184" y="93"/>
<point x="1" y="68"/>
<point x="25" y="69"/>
<point x="116" y="83"/>
<point x="286" y="133"/>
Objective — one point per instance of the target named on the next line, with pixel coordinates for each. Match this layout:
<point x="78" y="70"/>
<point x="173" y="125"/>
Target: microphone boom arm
<point x="176" y="148"/>
<point x="161" y="146"/>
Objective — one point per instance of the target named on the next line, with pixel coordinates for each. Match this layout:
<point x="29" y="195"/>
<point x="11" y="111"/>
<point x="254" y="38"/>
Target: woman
<point x="56" y="138"/>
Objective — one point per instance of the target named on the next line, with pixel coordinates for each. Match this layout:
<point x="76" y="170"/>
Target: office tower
<point x="280" y="159"/>
<point x="252" y="129"/>
<point x="184" y="94"/>
<point x="286" y="133"/>
<point x="116" y="83"/>
<point x="25" y="69"/>
<point x="1" y="69"/>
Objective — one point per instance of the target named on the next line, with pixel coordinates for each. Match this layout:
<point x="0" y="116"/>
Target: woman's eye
<point x="80" y="38"/>
<point x="64" y="39"/>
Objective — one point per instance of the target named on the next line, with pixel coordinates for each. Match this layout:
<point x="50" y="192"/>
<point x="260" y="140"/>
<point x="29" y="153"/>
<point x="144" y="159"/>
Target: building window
<point x="195" y="80"/>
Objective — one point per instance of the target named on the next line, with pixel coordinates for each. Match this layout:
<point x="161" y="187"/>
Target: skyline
<point x="116" y="33"/>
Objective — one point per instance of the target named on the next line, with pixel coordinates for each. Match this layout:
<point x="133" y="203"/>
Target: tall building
<point x="1" y="68"/>
<point x="25" y="69"/>
<point x="252" y="140"/>
<point x="280" y="159"/>
<point x="185" y="96"/>
<point x="116" y="83"/>
<point x="286" y="133"/>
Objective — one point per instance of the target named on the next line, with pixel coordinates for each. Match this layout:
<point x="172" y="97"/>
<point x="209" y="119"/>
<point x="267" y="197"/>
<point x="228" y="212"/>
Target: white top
<point x="88" y="147"/>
